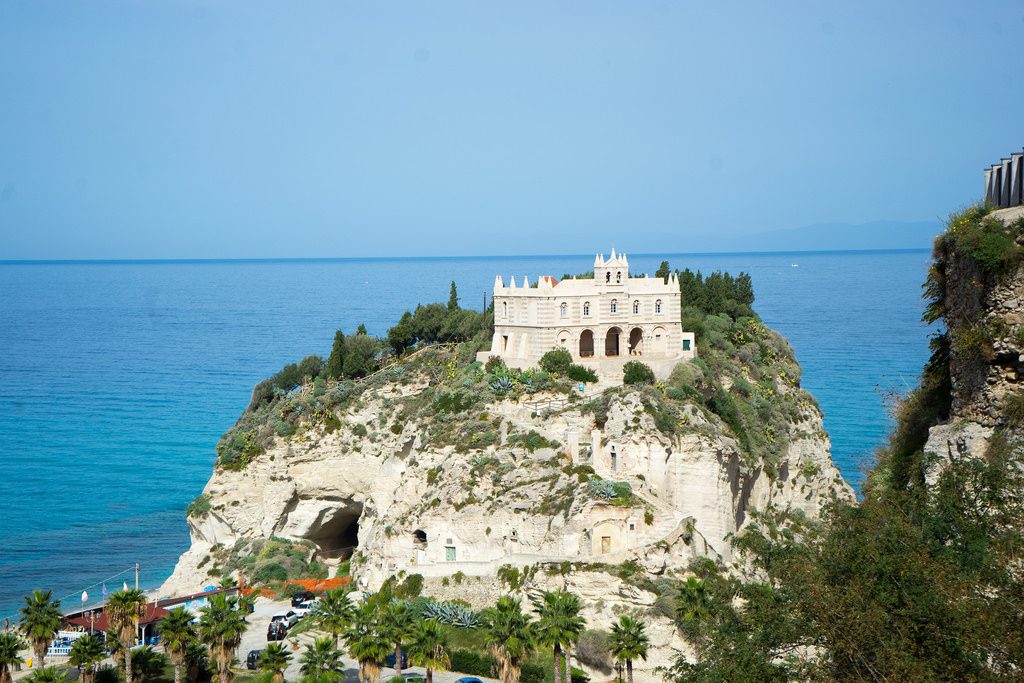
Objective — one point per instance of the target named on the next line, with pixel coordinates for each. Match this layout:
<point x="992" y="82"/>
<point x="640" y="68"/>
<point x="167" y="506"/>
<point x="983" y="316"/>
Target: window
<point x="608" y="277"/>
<point x="657" y="306"/>
<point x="615" y="306"/>
<point x="615" y="459"/>
<point x="632" y="526"/>
<point x="564" y="308"/>
<point x="686" y="345"/>
<point x="636" y="308"/>
<point x="449" y="553"/>
<point x="618" y="276"/>
<point x="504" y="309"/>
<point x="586" y="308"/>
<point x="606" y="544"/>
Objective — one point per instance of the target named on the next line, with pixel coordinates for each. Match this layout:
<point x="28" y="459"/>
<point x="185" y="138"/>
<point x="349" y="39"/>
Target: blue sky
<point x="248" y="129"/>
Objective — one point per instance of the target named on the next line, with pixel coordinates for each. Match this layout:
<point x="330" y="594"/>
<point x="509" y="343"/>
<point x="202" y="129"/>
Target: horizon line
<point x="335" y="259"/>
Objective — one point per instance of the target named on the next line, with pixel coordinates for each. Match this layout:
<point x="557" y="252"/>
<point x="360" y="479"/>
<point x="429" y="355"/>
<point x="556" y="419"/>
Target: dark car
<point x="253" y="660"/>
<point x="390" y="661"/>
<point x="277" y="630"/>
<point x="302" y="597"/>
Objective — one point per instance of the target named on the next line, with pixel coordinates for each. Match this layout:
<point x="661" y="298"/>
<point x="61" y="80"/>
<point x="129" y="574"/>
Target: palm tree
<point x="196" y="660"/>
<point x="176" y="632"/>
<point x="629" y="641"/>
<point x="693" y="604"/>
<point x="333" y="612"/>
<point x="10" y="648"/>
<point x="47" y="674"/>
<point x="40" y="619"/>
<point x="429" y="647"/>
<point x="275" y="658"/>
<point x="511" y="637"/>
<point x="124" y="610"/>
<point x="221" y="625"/>
<point x="397" y="620"/>
<point x="366" y="643"/>
<point x="86" y="653"/>
<point x="559" y="625"/>
<point x="147" y="664"/>
<point x="320" y="658"/>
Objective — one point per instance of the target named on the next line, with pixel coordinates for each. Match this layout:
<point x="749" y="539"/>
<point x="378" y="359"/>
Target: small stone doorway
<point x="586" y="344"/>
<point x="636" y="342"/>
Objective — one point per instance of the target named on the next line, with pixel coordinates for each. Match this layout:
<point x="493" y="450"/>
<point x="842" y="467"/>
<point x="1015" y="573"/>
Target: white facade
<point x="603" y="322"/>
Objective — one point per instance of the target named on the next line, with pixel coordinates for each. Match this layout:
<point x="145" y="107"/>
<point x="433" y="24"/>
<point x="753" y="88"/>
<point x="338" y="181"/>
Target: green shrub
<point x="359" y="429"/>
<point x="635" y="372"/>
<point x="556" y="361"/>
<point x="271" y="571"/>
<point x="1015" y="410"/>
<point x="198" y="507"/>
<point x="578" y="373"/>
<point x="532" y="673"/>
<point x="468" y="662"/>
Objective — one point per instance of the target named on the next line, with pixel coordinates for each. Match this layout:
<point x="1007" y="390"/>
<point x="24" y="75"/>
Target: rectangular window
<point x="606" y="544"/>
<point x="686" y="345"/>
<point x="449" y="553"/>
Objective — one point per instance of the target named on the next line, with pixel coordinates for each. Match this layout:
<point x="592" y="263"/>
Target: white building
<point x="604" y="321"/>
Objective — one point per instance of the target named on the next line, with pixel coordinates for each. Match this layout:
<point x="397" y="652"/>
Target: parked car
<point x="304" y="596"/>
<point x="306" y="608"/>
<point x="289" y="618"/>
<point x="469" y="679"/>
<point x="413" y="677"/>
<point x="276" y="630"/>
<point x="252" y="661"/>
<point x="390" y="661"/>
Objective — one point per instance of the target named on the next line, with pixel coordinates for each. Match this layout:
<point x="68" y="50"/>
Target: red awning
<point x="152" y="612"/>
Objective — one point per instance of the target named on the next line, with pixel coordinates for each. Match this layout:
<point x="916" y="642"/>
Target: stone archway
<point x="586" y="344"/>
<point x="611" y="342"/>
<point x="636" y="342"/>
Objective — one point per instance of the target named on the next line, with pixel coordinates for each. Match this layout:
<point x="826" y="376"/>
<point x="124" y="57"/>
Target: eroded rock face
<point x="410" y="506"/>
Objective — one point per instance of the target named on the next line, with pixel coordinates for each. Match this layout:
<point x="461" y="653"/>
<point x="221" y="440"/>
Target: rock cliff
<point x="429" y="468"/>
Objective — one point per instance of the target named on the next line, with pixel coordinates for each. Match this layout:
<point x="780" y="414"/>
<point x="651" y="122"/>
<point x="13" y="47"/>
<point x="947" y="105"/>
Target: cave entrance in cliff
<point x="337" y="535"/>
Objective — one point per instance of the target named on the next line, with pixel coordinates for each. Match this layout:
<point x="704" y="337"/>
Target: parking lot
<point x="255" y="638"/>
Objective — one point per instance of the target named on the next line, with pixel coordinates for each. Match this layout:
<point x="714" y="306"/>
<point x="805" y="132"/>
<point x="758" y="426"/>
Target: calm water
<point x="116" y="379"/>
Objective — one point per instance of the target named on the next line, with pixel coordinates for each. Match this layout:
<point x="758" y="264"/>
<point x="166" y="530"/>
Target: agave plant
<point x="452" y="614"/>
<point x="501" y="385"/>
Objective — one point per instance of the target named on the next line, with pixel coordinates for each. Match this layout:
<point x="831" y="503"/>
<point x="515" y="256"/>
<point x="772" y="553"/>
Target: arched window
<point x="504" y="309"/>
<point x="615" y="305"/>
<point x="657" y="306"/>
<point x="608" y="276"/>
<point x="586" y="308"/>
<point x="618" y="276"/>
<point x="636" y="308"/>
<point x="564" y="308"/>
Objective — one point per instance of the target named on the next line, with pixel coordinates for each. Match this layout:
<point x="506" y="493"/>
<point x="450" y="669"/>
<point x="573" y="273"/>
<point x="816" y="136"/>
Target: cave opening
<point x="337" y="534"/>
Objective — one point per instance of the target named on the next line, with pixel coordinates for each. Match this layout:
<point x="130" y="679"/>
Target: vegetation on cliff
<point x="921" y="581"/>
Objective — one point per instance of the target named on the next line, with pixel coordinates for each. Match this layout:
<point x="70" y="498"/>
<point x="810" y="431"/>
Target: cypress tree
<point x="336" y="361"/>
<point x="453" y="298"/>
<point x="361" y="329"/>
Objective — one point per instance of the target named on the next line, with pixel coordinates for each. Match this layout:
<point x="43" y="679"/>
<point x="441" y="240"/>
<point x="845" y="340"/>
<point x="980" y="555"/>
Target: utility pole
<point x="136" y="576"/>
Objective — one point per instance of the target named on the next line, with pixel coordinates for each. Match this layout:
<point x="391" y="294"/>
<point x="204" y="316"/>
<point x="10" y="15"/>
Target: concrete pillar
<point x="572" y="440"/>
<point x="1016" y="177"/>
<point x="595" y="448"/>
<point x="988" y="185"/>
<point x="1004" y="193"/>
<point x="997" y="183"/>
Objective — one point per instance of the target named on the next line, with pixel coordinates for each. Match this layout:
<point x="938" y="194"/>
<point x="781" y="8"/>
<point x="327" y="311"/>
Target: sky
<point x="248" y="129"/>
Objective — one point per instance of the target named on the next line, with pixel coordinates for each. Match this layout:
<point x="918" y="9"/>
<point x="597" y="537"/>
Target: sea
<point x="117" y="378"/>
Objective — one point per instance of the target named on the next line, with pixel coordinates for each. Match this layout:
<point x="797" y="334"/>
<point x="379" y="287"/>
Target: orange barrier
<point x="312" y="585"/>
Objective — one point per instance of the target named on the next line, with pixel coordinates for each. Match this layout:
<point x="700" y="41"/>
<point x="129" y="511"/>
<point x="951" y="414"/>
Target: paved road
<point x="255" y="638"/>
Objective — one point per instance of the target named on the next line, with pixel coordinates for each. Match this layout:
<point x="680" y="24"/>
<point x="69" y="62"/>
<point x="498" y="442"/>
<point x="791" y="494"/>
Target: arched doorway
<point x="611" y="342"/>
<point x="636" y="342"/>
<point x="660" y="340"/>
<point x="586" y="344"/>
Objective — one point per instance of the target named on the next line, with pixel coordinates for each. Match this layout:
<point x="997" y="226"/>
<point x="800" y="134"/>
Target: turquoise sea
<point x="117" y="378"/>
